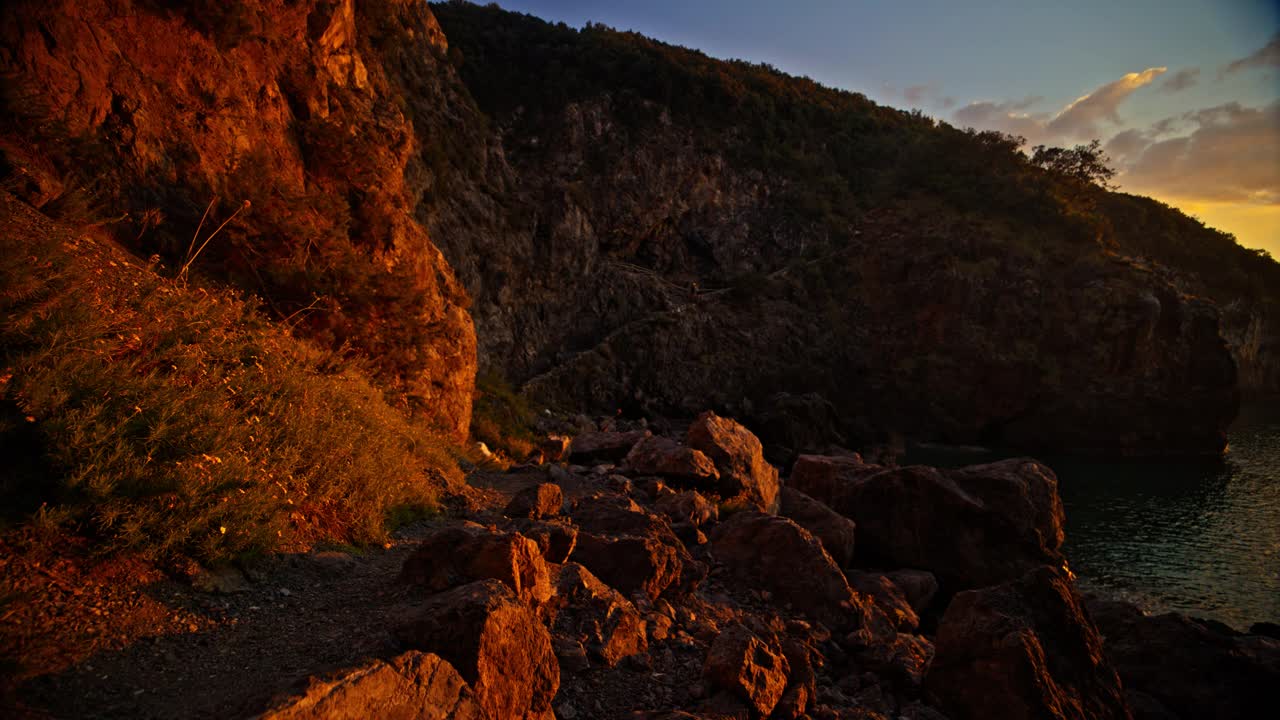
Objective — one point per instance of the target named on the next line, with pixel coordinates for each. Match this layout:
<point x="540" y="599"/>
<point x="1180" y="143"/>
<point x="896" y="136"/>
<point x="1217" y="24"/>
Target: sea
<point x="1199" y="537"/>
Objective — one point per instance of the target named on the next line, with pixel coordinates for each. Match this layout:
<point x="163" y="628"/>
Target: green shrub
<point x="171" y="420"/>
<point x="501" y="417"/>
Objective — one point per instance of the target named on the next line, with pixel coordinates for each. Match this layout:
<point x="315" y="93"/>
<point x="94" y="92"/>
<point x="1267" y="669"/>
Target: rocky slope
<point x="605" y="591"/>
<point x="300" y="120"/>
<point x="654" y="257"/>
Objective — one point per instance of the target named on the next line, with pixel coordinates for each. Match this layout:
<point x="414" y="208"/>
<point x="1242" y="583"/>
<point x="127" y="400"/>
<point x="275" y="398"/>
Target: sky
<point x="1184" y="94"/>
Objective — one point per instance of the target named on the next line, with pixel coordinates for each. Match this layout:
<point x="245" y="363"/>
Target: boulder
<point x="630" y="564"/>
<point x="591" y="448"/>
<point x="610" y="519"/>
<point x="687" y="507"/>
<point x="461" y="554"/>
<point x="746" y="666"/>
<point x="555" y="539"/>
<point x="971" y="527"/>
<point x="738" y="455"/>
<point x="775" y="554"/>
<point x="555" y="448"/>
<point x="412" y="686"/>
<point x="1191" y="667"/>
<point x="596" y="615"/>
<point x="887" y="596"/>
<point x="1023" y="649"/>
<point x="665" y="458"/>
<point x="496" y="644"/>
<point x="904" y="659"/>
<point x="836" y="531"/>
<point x="918" y="586"/>
<point x="539" y="501"/>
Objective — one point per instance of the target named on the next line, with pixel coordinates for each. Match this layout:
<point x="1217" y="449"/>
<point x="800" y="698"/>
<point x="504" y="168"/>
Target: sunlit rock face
<point x="307" y="110"/>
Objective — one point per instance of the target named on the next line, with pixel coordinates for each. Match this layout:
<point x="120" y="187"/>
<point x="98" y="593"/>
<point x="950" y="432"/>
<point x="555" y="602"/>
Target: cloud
<point x="1230" y="154"/>
<point x="1010" y="117"/>
<point x="948" y="102"/>
<point x="1266" y="56"/>
<point x="1181" y="80"/>
<point x="916" y="93"/>
<point x="1081" y="118"/>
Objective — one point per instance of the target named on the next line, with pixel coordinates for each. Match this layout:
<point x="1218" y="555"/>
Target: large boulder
<point x="665" y="458"/>
<point x="775" y="554"/>
<point x="630" y="564"/>
<point x="1192" y="668"/>
<point x="592" y="448"/>
<point x="631" y="548"/>
<point x="738" y="455"/>
<point x="743" y="664"/>
<point x="537" y="501"/>
<point x="971" y="527"/>
<point x="555" y="539"/>
<point x="918" y="586"/>
<point x="837" y="532"/>
<point x="1024" y="649"/>
<point x="461" y="554"/>
<point x="597" y="616"/>
<point x="412" y="686"/>
<point x="495" y="642"/>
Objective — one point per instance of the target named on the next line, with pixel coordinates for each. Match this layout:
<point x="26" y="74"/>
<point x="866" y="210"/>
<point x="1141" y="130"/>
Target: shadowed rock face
<point x="971" y="527"/>
<point x="689" y="279"/>
<point x="308" y="111"/>
<point x="1025" y="649"/>
<point x="1187" y="668"/>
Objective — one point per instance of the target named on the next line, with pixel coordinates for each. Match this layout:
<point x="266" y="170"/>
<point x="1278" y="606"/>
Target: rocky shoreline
<point x="649" y="576"/>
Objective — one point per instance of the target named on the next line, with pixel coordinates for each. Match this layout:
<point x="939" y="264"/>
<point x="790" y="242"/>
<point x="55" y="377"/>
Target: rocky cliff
<point x="301" y="120"/>
<point x="658" y="247"/>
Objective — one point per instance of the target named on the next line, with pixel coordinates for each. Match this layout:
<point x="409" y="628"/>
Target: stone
<point x="555" y="539"/>
<point x="971" y="527"/>
<point x="664" y="457"/>
<point x="1192" y="667"/>
<point x="775" y="554"/>
<point x="1020" y="650"/>
<point x="688" y="507"/>
<point x="918" y="586"/>
<point x="630" y="564"/>
<point x="590" y="448"/>
<point x="837" y="532"/>
<point x="555" y="448"/>
<point x="596" y="615"/>
<point x="412" y="686"/>
<point x="461" y="554"/>
<point x="739" y="457"/>
<point x="539" y="501"/>
<point x="221" y="580"/>
<point x="746" y="666"/>
<point x="886" y="595"/>
<point x="903" y="659"/>
<point x="495" y="642"/>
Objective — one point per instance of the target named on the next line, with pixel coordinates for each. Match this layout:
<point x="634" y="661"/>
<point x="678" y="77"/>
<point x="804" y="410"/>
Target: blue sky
<point x="1185" y="93"/>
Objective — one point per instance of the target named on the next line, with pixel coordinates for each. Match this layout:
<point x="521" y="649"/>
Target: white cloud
<point x="1231" y="154"/>
<point x="1081" y="119"/>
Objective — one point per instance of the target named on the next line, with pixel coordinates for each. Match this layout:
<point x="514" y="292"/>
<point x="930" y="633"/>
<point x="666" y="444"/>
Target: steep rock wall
<point x="304" y="110"/>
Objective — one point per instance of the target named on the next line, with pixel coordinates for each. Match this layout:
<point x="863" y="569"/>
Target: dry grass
<point x="171" y="420"/>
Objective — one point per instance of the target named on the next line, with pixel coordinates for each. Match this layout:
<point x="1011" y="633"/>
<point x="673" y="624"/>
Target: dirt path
<point x="113" y="640"/>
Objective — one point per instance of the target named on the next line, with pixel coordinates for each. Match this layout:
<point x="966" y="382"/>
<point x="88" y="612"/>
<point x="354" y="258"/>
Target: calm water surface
<point x="1202" y="538"/>
<point x="1196" y="537"/>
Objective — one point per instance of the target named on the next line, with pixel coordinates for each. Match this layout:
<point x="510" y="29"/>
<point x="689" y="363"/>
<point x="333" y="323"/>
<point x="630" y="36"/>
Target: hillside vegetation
<point x="169" y="419"/>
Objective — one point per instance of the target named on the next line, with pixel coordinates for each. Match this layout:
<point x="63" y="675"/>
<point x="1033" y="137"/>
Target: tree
<point x="1085" y="163"/>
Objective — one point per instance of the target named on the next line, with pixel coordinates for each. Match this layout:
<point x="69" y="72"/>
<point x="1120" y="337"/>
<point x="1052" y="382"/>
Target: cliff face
<point x="303" y="110"/>
<point x="641" y="228"/>
<point x="642" y="262"/>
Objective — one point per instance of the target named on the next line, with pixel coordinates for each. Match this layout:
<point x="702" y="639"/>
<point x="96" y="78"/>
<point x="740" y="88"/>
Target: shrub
<point x="501" y="418"/>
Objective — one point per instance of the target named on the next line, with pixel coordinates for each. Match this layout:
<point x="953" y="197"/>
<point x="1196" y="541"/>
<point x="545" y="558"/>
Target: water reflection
<point x="1201" y="538"/>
